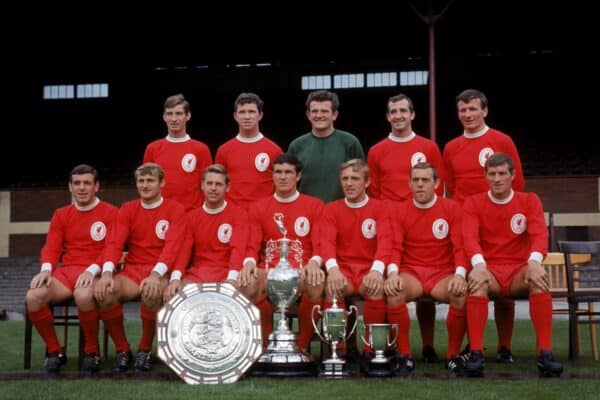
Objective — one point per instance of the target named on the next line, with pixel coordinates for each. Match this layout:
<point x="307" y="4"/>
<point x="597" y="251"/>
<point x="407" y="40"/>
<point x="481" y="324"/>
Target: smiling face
<point x="214" y="187"/>
<point x="400" y="118"/>
<point x="472" y="115"/>
<point x="83" y="189"/>
<point x="148" y="187"/>
<point x="321" y="116"/>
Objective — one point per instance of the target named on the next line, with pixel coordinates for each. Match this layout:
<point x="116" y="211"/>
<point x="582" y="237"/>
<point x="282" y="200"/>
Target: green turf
<point x="428" y="382"/>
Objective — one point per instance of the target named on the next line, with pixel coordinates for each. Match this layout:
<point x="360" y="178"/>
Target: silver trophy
<point x="333" y="322"/>
<point x="283" y="356"/>
<point x="382" y="337"/>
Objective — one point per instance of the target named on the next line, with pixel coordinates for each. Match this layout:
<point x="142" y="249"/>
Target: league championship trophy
<point x="282" y="356"/>
<point x="379" y="340"/>
<point x="334" y="331"/>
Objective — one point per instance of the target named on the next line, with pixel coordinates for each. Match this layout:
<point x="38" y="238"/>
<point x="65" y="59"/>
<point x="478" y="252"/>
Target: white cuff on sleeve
<point x="175" y="276"/>
<point x="462" y="271"/>
<point x="108" y="266"/>
<point x="160" y="268"/>
<point x="232" y="275"/>
<point x="317" y="259"/>
<point x="46" y="267"/>
<point x="476" y="259"/>
<point x="249" y="259"/>
<point x="536" y="256"/>
<point x="93" y="269"/>
<point x="392" y="268"/>
<point x="378" y="266"/>
<point x="331" y="263"/>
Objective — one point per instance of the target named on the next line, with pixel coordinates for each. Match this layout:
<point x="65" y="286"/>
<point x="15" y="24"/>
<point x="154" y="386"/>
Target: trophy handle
<point x="363" y="338"/>
<point x="395" y="327"/>
<point x="316" y="308"/>
<point x="352" y="308"/>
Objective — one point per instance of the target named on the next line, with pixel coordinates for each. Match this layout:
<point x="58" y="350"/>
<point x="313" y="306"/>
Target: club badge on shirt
<point x="440" y="228"/>
<point x="369" y="229"/>
<point x="262" y="161"/>
<point x="98" y="231"/>
<point x="161" y="229"/>
<point x="224" y="233"/>
<point x="484" y="154"/>
<point x="188" y="162"/>
<point x="416" y="158"/>
<point x="302" y="226"/>
<point x="518" y="223"/>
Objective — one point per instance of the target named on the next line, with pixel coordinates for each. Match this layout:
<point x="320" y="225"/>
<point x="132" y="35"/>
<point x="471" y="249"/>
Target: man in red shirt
<point x="390" y="162"/>
<point x="76" y="238"/>
<point x="182" y="158"/>
<point x="153" y="228"/>
<point x="464" y="159"/>
<point x="427" y="260"/>
<point x="356" y="246"/>
<point x="506" y="239"/>
<point x="301" y="217"/>
<point x="219" y="232"/>
<point x="249" y="156"/>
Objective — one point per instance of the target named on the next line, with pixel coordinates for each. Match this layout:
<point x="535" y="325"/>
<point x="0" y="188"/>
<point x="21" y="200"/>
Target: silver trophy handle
<point x="317" y="308"/>
<point x="397" y="329"/>
<point x="352" y="308"/>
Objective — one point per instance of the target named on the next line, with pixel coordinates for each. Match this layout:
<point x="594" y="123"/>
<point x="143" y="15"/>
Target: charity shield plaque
<point x="209" y="333"/>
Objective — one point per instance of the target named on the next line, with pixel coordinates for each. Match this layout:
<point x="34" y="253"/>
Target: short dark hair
<point x="248" y="98"/>
<point x="400" y="97"/>
<point x="176" y="100"/>
<point x="84" y="169"/>
<point x="426" y="165"/>
<point x="498" y="159"/>
<point x="216" y="169"/>
<point x="323" y="95"/>
<point x="288" y="158"/>
<point x="470" y="94"/>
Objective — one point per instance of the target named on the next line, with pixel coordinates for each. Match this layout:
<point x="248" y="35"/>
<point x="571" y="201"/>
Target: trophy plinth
<point x="333" y="322"/>
<point x="282" y="356"/>
<point x="379" y="341"/>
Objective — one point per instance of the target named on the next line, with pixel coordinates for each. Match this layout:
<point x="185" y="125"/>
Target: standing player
<point x="322" y="150"/>
<point x="390" y="162"/>
<point x="76" y="238"/>
<point x="427" y="259"/>
<point x="356" y="246"/>
<point x="182" y="158"/>
<point x="506" y="239"/>
<point x="300" y="215"/>
<point x="249" y="156"/>
<point x="220" y="234"/>
<point x="153" y="228"/>
<point x="464" y="160"/>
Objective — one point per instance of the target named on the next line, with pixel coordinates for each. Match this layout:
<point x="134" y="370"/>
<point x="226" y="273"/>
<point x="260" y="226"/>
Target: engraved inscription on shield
<point x="209" y="333"/>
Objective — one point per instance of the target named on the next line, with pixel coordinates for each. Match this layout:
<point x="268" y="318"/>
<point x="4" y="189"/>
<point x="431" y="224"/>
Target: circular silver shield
<point x="209" y="333"/>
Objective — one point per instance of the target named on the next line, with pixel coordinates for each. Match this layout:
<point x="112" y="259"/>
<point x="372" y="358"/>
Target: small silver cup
<point x="381" y="338"/>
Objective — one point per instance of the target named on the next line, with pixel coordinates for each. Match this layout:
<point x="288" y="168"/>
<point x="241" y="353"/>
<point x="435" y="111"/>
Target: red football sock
<point x="456" y="323"/>
<point x="426" y="318"/>
<point x="113" y="322"/>
<point x="540" y="310"/>
<point x="477" y="313"/>
<point x="89" y="324"/>
<point x="148" y="328"/>
<point x="399" y="315"/>
<point x="44" y="323"/>
<point x="305" y="316"/>
<point x="504" y="313"/>
<point x="266" y="317"/>
<point x="373" y="313"/>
